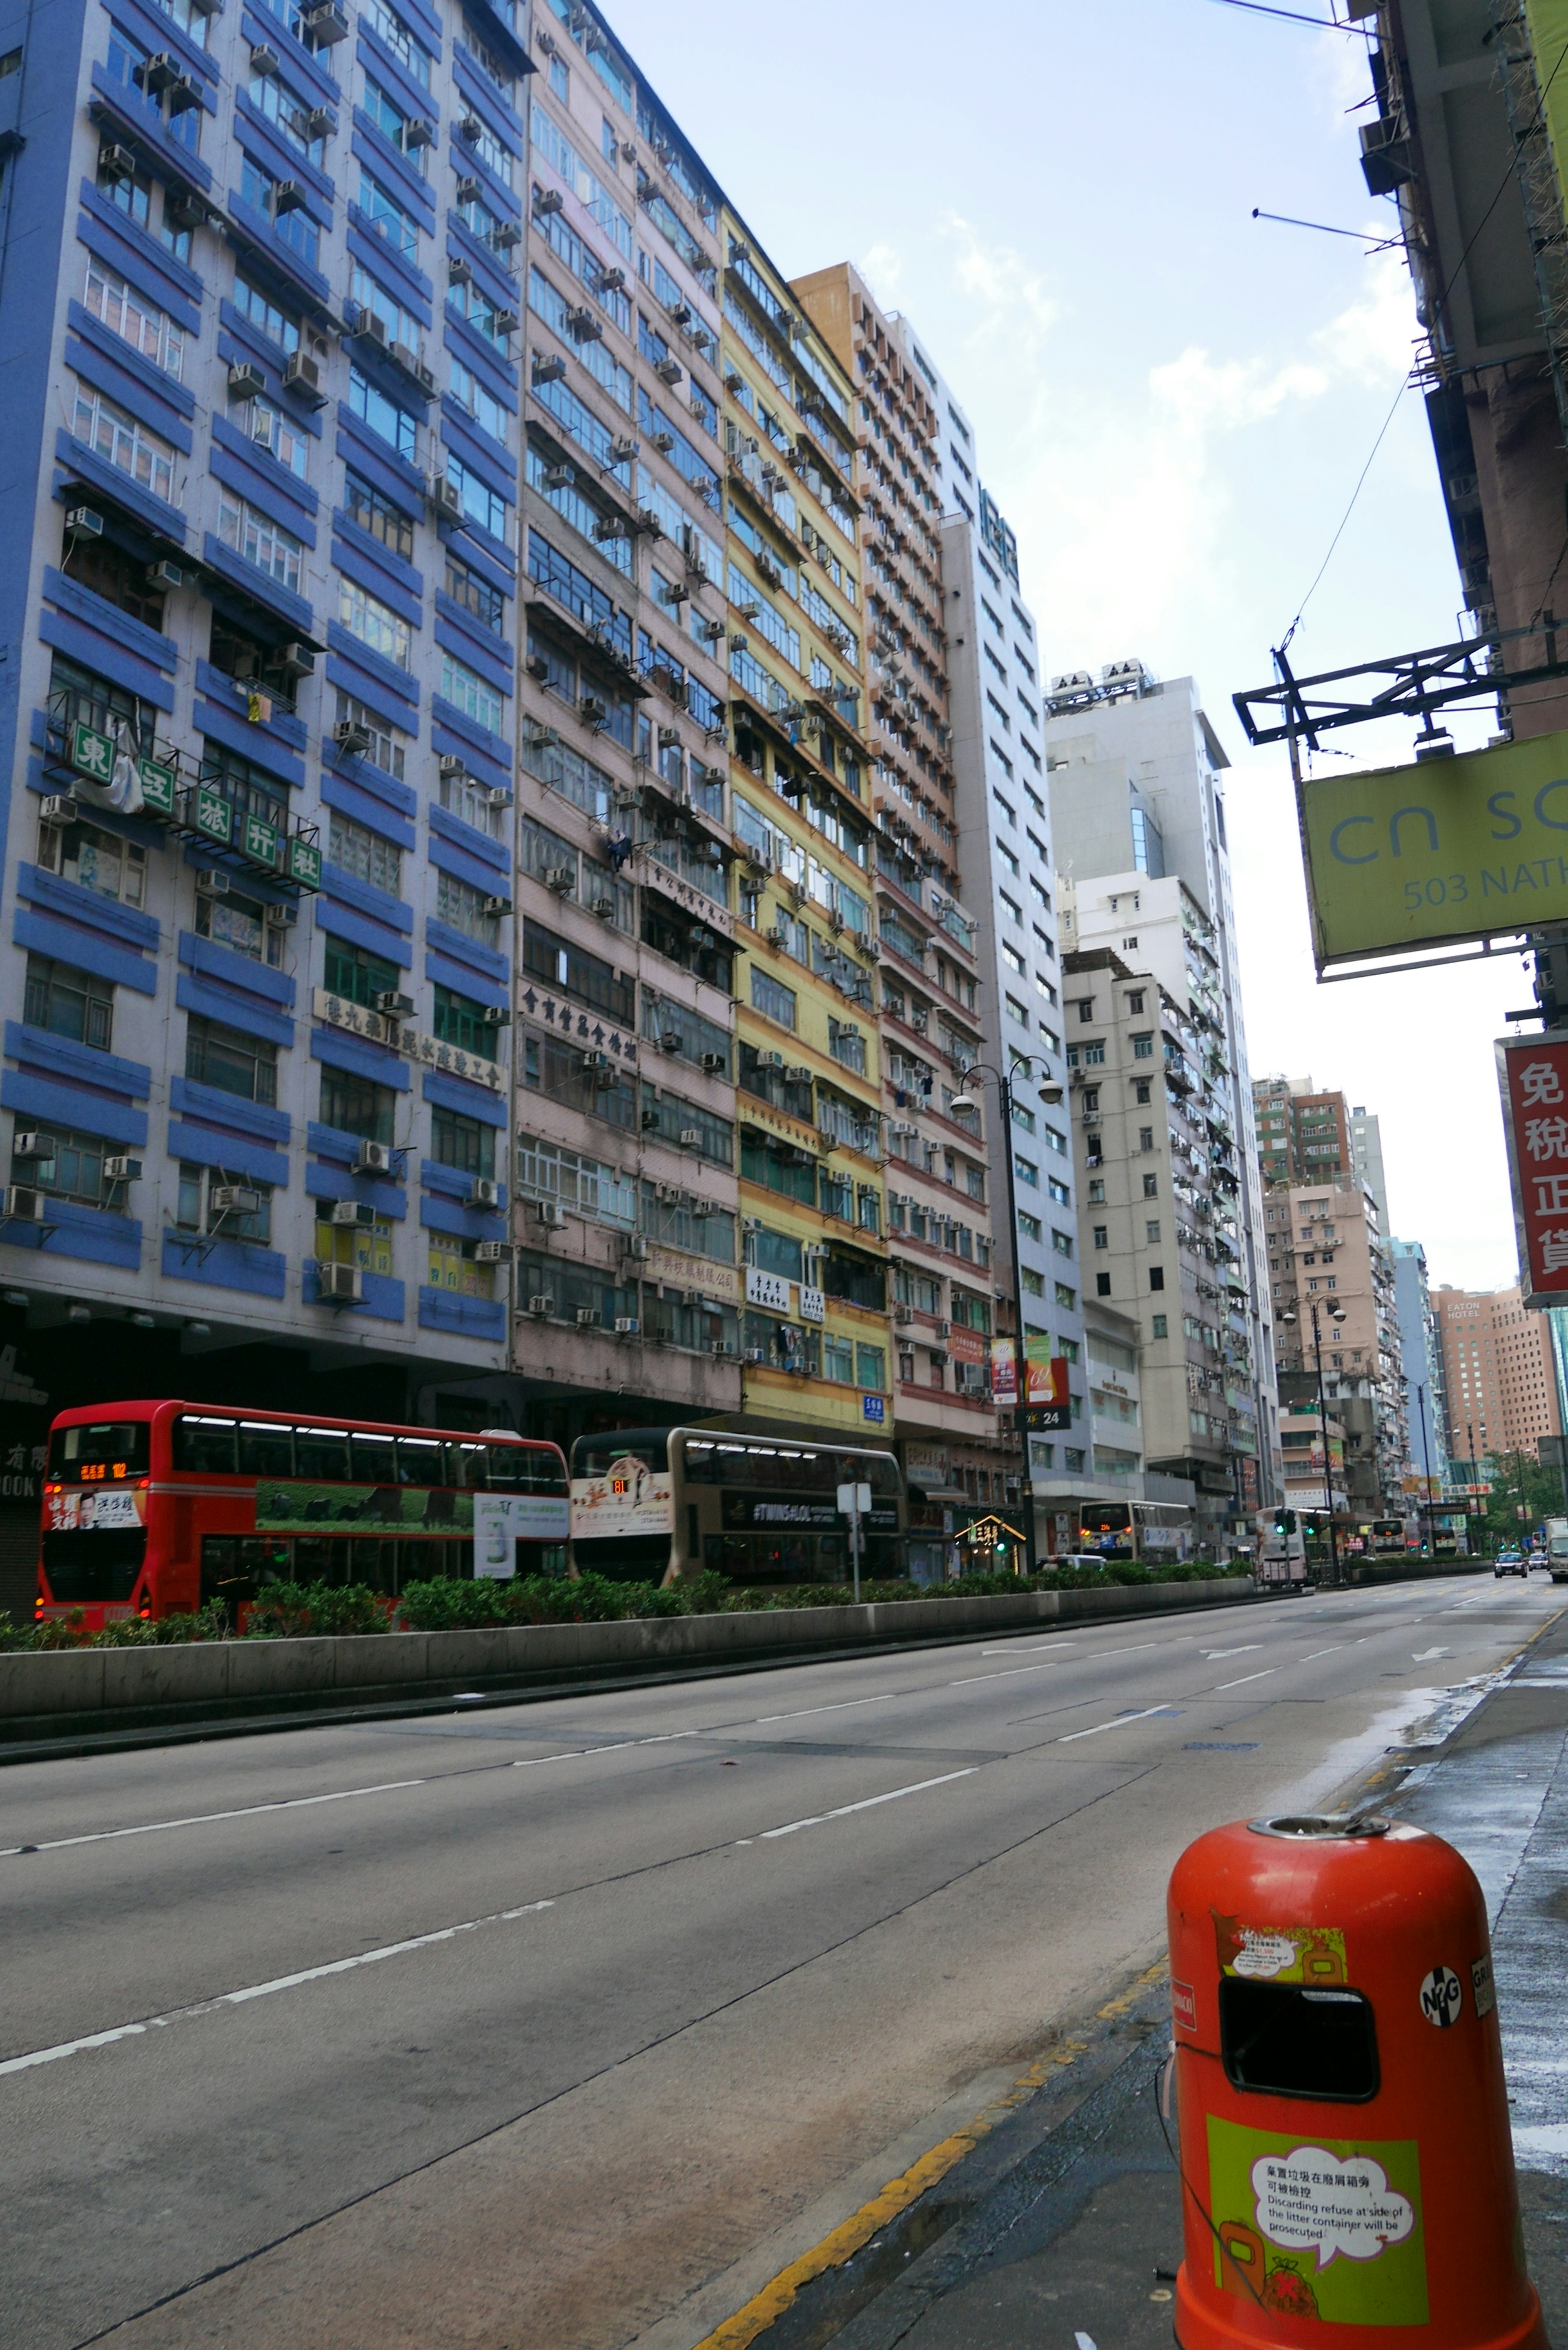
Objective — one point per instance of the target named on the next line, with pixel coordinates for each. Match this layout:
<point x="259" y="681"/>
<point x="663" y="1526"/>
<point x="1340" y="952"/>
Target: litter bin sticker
<point x="1329" y="2231"/>
<point x="1281" y="1954"/>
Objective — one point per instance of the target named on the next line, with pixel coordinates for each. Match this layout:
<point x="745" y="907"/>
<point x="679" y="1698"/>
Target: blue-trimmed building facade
<point x="260" y="358"/>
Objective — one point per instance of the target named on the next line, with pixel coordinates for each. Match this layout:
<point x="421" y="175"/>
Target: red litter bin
<point x="1346" y="2162"/>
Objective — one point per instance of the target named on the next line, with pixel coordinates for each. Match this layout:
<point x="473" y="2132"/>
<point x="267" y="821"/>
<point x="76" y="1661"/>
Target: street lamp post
<point x="1474" y="1504"/>
<point x="964" y="1101"/>
<point x="1427" y="1469"/>
<point x="1336" y="1313"/>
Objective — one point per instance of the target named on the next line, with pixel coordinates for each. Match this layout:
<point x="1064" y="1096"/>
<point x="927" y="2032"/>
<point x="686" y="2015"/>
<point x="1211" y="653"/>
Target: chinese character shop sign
<point x="1533" y="1074"/>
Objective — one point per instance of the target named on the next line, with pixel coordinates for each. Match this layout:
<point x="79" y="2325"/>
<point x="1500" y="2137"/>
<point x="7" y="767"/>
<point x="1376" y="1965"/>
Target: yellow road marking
<point x="853" y="2234"/>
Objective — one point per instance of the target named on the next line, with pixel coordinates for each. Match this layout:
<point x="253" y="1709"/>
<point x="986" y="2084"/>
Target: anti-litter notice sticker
<point x="1281" y="1954"/>
<point x="1483" y="1986"/>
<point x="1331" y="2231"/>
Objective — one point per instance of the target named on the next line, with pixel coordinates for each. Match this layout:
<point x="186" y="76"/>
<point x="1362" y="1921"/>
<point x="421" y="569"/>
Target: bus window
<point x="204" y="1444"/>
<point x="466" y="1467"/>
<point x="375" y="1459"/>
<point x="321" y="1453"/>
<point x="505" y="1468"/>
<point x="100" y="1453"/>
<point x="266" y="1449"/>
<point x="540" y="1473"/>
<point x="422" y="1460"/>
<point x="596" y="1456"/>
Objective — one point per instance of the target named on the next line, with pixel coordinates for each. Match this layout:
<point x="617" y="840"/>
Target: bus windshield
<point x="596" y="1456"/>
<point x="100" y="1451"/>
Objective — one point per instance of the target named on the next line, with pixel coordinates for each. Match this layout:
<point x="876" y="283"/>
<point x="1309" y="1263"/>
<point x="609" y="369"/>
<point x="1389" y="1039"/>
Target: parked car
<point x="1511" y="1562"/>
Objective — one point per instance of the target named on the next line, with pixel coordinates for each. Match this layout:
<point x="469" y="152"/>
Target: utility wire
<point x="1325" y="23"/>
<point x="1437" y="308"/>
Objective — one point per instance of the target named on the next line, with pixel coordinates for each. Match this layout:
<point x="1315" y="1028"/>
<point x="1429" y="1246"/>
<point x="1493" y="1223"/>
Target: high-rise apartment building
<point x="1499" y="1367"/>
<point x="1421" y="1355"/>
<point x="939" y="1177"/>
<point x="1008" y="862"/>
<point x="1367" y="1160"/>
<point x="1326" y="1249"/>
<point x="1304" y="1135"/>
<point x="261" y="610"/>
<point x="1138" y="821"/>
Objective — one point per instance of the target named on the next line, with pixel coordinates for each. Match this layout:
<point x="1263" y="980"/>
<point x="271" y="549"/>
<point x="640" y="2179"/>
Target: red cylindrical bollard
<point x="1346" y="2162"/>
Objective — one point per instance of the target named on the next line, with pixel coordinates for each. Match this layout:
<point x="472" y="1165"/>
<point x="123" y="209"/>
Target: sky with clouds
<point x="1172" y="404"/>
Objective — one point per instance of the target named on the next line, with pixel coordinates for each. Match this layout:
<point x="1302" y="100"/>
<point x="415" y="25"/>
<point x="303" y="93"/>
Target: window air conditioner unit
<point x="20" y="1206"/>
<point x="299" y="660"/>
<point x="264" y="60"/>
<point x="650" y="1122"/>
<point x="399" y="1007"/>
<point x="561" y="879"/>
<point x="604" y="908"/>
<point x="542" y="1306"/>
<point x="903" y="1315"/>
<point x="373" y="1159"/>
<point x="497" y="906"/>
<point x="588" y="1318"/>
<point x="636" y="1247"/>
<point x="317" y="123"/>
<point x="483" y="1193"/>
<point x="82" y="522"/>
<point x="115" y="163"/>
<point x="246" y="381"/>
<point x="797" y="1075"/>
<point x="756" y="1354"/>
<point x="625" y="1325"/>
<point x="351" y="738"/>
<point x="493" y="1253"/>
<point x="670" y="371"/>
<point x="470" y="127"/>
<point x="505" y="322"/>
<point x="499" y="796"/>
<point x="288" y="196"/>
<point x="357" y="1213"/>
<point x="691" y="1137"/>
<point x="283" y="916"/>
<point x="496" y="1016"/>
<point x="671" y="1041"/>
<point x="944" y="1330"/>
<point x="340" y="1284"/>
<point x="721" y="1346"/>
<point x="715" y="1064"/>
<point x="452" y="766"/>
<point x="550" y="1215"/>
<point x="420" y="132"/>
<point x="468" y="190"/>
<point x="58" y="807"/>
<point x="549" y="370"/>
<point x="122" y="1171"/>
<point x="234" y="1200"/>
<point x="326" y="24"/>
<point x="210" y="883"/>
<point x="30" y="1143"/>
<point x="167" y="575"/>
<point x="302" y="373"/>
<point x="445" y="501"/>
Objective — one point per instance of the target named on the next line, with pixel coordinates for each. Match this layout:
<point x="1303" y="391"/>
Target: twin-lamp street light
<point x="1336" y="1313"/>
<point x="962" y="1104"/>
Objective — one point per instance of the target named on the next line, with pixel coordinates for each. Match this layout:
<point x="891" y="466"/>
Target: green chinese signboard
<point x="157" y="787"/>
<point x="212" y="814"/>
<point x="1472" y="846"/>
<point x="260" y="842"/>
<point x="304" y="862"/>
<point x="92" y="754"/>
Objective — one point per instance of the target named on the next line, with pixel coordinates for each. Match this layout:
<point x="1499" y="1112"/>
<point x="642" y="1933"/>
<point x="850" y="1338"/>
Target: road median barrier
<point x="57" y="1694"/>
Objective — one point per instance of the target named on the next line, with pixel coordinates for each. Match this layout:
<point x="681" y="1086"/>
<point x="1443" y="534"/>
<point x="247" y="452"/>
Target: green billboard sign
<point x="1468" y="847"/>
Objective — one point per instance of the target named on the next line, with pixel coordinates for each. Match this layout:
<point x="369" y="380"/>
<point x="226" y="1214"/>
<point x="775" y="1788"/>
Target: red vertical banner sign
<point x="1533" y="1073"/>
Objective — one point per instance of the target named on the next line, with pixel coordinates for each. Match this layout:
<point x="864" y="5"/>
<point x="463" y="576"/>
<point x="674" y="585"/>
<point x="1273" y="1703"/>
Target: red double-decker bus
<point x="152" y="1509"/>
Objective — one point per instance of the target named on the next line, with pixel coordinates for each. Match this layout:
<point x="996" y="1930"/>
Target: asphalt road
<point x="568" y="2024"/>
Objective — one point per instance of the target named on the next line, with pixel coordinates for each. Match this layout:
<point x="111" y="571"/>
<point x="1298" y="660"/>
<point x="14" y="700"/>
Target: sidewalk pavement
<point x="1070" y="2229"/>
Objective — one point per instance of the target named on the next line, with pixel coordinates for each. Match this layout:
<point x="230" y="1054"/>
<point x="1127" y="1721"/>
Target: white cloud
<point x="1373" y="339"/>
<point x="883" y="270"/>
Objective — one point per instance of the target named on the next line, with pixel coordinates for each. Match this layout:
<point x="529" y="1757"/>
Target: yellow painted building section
<point x="1548" y="23"/>
<point x="810" y="1076"/>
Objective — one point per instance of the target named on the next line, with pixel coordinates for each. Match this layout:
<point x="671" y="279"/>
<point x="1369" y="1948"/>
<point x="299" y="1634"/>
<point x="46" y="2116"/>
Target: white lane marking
<point x="1008" y="1673"/>
<point x="1335" y="1651"/>
<point x="841" y="1705"/>
<point x="843" y="1811"/>
<point x="1137" y="1650"/>
<point x="1118" y="1722"/>
<point x="576" y="1753"/>
<point x="1012" y="1650"/>
<point x="1248" y="1677"/>
<point x="1425" y="1656"/>
<point x="1245" y="1650"/>
<point x="266" y="1989"/>
<point x="205" y="1819"/>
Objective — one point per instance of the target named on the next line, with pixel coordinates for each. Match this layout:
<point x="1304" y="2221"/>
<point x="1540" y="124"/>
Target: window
<point x="369" y="1246"/>
<point x="1102" y="1285"/>
<point x="775" y="1002"/>
<point x="356" y="975"/>
<point x="1145" y="1138"/>
<point x="495" y="158"/>
<point x="1067" y="1299"/>
<point x="476" y="595"/>
<point x="258" y="540"/>
<point x="352" y="1104"/>
<point x="230" y="1061"/>
<point x="374" y="512"/>
<point x="96" y="860"/>
<point x="76" y="1171"/>
<point x="470" y="395"/>
<point x="461" y="1019"/>
<point x="1061" y="1243"/>
<point x="395" y="126"/>
<point x="137" y="321"/>
<point x="1096" y="1191"/>
<point x="241" y="924"/>
<point x="69" y="1003"/>
<point x="464" y="908"/>
<point x="471" y="694"/>
<point x="265" y="315"/>
<point x="1030" y="1229"/>
<point x="463" y="1143"/>
<point x="386" y="741"/>
<point x="870" y="1368"/>
<point x="390" y="27"/>
<point x="1151" y="1230"/>
<point x="264" y="425"/>
<point x="368" y="856"/>
<point x="481" y="504"/>
<point x="259" y="189"/>
<point x="1140" y="1090"/>
<point x="111" y="432"/>
<point x="114" y="575"/>
<point x="1015" y="1011"/>
<point x="1102" y="1236"/>
<point x="1142" y="1047"/>
<point x="473" y="803"/>
<point x="272" y="98"/>
<point x="1027" y="1172"/>
<point x="395" y="425"/>
<point x="374" y="623"/>
<point x="198" y="1209"/>
<point x="1160" y="1328"/>
<point x="1156" y="1276"/>
<point x="1152" y="1187"/>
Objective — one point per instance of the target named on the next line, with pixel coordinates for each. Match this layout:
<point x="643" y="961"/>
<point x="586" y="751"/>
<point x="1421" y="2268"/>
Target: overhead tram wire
<point x="1437" y="308"/>
<point x="1292" y="17"/>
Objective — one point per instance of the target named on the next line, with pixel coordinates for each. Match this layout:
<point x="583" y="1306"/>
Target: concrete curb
<point x="69" y="1692"/>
